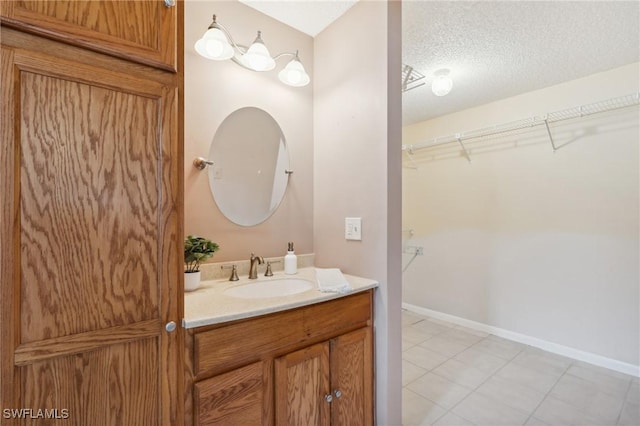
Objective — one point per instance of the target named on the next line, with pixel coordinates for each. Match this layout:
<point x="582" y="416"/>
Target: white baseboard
<point x="591" y="358"/>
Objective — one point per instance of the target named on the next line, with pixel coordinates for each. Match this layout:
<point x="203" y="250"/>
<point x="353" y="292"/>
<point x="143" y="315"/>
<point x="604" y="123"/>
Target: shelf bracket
<point x="466" y="153"/>
<point x="546" y="124"/>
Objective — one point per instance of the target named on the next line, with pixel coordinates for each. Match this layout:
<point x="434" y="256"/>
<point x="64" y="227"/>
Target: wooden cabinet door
<point x="239" y="397"/>
<point x="144" y="31"/>
<point x="301" y="383"/>
<point x="90" y="254"/>
<point x="352" y="379"/>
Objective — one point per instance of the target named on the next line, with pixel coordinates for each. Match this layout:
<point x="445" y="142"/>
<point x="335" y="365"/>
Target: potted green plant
<point x="196" y="249"/>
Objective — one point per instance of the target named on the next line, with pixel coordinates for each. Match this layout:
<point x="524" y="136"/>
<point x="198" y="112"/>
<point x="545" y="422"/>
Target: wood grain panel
<point x="104" y="17"/>
<point x="188" y="376"/>
<point x="302" y="381"/>
<point x="91" y="168"/>
<point x="220" y="349"/>
<point x="12" y="38"/>
<point x="67" y="345"/>
<point x="142" y="31"/>
<point x="351" y="374"/>
<point x="239" y="397"/>
<point x="171" y="260"/>
<point x="89" y="201"/>
<point x="116" y="385"/>
<point x="9" y="205"/>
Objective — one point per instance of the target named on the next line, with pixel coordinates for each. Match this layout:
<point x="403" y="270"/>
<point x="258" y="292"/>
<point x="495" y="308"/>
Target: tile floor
<point x="453" y="376"/>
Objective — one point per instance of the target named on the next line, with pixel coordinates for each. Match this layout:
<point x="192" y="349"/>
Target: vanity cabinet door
<point x="352" y="379"/>
<point x="239" y="397"/>
<point x="302" y="382"/>
<point x="143" y="31"/>
<point x="330" y="383"/>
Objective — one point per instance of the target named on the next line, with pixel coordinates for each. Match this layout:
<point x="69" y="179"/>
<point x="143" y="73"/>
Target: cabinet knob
<point x="337" y="393"/>
<point x="169" y="3"/>
<point x="170" y="326"/>
<point x="328" y="398"/>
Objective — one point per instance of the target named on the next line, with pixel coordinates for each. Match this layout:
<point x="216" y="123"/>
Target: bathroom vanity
<point x="305" y="358"/>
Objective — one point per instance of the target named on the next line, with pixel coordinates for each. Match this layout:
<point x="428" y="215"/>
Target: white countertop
<point x="210" y="305"/>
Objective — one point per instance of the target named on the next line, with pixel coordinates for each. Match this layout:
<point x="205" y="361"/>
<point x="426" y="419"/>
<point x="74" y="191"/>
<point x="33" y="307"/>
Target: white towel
<point x="331" y="280"/>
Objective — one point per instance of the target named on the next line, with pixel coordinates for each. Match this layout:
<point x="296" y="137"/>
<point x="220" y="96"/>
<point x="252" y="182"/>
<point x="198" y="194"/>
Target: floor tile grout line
<point x="595" y="383"/>
<point x="434" y="402"/>
<point x="455" y="414"/>
<point x="487" y="379"/>
<point x="474" y="390"/>
<point x="624" y="401"/>
<point x="598" y="389"/>
<point x="425" y="373"/>
<point x="546" y="395"/>
<point x="430" y="400"/>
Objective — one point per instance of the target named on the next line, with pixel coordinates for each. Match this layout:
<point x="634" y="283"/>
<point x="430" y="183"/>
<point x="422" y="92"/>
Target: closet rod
<point x="553" y="117"/>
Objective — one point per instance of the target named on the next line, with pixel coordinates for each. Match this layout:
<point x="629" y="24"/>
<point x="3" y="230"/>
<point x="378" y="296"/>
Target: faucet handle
<point x="268" y="272"/>
<point x="234" y="273"/>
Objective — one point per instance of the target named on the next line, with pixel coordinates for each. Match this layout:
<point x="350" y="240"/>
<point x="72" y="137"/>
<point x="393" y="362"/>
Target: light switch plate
<point x="353" y="228"/>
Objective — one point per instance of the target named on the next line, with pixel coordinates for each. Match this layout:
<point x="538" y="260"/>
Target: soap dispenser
<point x="290" y="261"/>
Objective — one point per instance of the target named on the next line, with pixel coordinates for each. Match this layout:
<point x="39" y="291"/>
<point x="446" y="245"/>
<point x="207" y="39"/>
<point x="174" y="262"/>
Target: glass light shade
<point x="441" y="85"/>
<point x="294" y="74"/>
<point x="214" y="45"/>
<point x="258" y="57"/>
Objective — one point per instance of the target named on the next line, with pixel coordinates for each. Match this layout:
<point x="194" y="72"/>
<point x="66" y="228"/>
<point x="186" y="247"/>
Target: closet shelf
<point x="552" y="117"/>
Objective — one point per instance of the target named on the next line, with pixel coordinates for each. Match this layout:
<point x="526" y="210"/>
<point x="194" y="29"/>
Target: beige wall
<point x="343" y="131"/>
<point x="215" y="89"/>
<point x="357" y="170"/>
<point x="540" y="243"/>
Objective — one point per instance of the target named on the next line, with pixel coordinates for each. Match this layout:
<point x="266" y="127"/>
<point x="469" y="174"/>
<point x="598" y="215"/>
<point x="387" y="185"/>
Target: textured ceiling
<point x="494" y="49"/>
<point x="498" y="49"/>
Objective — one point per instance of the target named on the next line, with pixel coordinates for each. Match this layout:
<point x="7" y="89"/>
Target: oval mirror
<point x="250" y="168"/>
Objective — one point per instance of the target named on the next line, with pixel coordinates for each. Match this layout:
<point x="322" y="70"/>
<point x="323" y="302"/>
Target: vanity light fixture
<point x="218" y="45"/>
<point x="442" y="83"/>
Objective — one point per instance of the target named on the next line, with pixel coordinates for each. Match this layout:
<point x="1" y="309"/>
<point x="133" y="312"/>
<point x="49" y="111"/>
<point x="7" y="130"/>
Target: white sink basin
<point x="269" y="288"/>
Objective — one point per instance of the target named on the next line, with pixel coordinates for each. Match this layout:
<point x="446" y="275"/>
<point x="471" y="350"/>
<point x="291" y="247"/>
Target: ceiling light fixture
<point x="218" y="45"/>
<point x="442" y="84"/>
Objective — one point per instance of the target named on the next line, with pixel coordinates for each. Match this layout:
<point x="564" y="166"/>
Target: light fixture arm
<point x="216" y="25"/>
<point x="240" y="47"/>
<point x="281" y="55"/>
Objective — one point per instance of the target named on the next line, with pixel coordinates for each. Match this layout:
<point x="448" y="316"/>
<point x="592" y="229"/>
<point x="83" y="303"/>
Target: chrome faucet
<point x="253" y="266"/>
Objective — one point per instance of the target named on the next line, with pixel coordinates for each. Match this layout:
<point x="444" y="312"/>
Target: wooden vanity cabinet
<point x="306" y="366"/>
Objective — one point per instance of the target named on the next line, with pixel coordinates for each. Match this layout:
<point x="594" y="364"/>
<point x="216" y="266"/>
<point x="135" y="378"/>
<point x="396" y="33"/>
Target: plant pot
<point x="191" y="280"/>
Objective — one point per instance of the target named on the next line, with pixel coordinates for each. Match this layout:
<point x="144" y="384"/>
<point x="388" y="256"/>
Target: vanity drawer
<point x="228" y="346"/>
